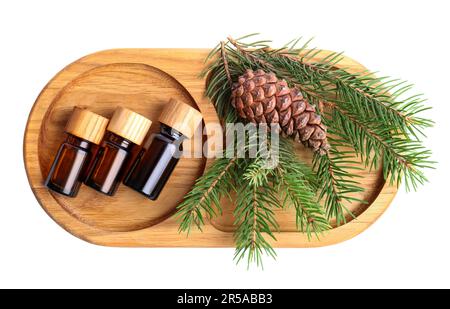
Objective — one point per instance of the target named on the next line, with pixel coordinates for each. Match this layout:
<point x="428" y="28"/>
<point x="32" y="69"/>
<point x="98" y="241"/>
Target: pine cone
<point x="260" y="97"/>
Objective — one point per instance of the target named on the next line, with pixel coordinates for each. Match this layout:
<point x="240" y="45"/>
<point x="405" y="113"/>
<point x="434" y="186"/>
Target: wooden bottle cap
<point x="181" y="117"/>
<point x="86" y="125"/>
<point x="129" y="125"/>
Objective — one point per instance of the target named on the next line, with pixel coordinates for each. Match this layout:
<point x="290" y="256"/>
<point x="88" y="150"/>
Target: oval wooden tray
<point x="143" y="80"/>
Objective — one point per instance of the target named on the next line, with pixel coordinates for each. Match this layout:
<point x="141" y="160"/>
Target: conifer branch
<point x="299" y="185"/>
<point x="372" y="118"/>
<point x="254" y="216"/>
<point x="204" y="198"/>
<point x="337" y="182"/>
<point x="225" y="63"/>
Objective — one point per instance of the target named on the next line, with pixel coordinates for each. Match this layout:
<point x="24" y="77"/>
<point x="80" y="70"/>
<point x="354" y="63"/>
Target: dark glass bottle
<point x="125" y="130"/>
<point x="153" y="167"/>
<point x="68" y="170"/>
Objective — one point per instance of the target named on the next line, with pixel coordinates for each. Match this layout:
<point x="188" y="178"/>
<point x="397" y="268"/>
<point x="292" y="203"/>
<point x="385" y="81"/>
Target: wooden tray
<point x="143" y="80"/>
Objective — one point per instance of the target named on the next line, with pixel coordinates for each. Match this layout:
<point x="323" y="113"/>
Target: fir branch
<point x="399" y="156"/>
<point x="372" y="118"/>
<point x="333" y="171"/>
<point x="377" y="102"/>
<point x="257" y="186"/>
<point x="310" y="218"/>
<point x="254" y="216"/>
<point x="368" y="95"/>
<point x="225" y="63"/>
<point x="299" y="185"/>
<point x="289" y="158"/>
<point x="206" y="194"/>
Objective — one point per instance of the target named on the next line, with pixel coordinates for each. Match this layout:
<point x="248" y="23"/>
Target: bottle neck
<point x="117" y="140"/>
<point x="77" y="141"/>
<point x="171" y="133"/>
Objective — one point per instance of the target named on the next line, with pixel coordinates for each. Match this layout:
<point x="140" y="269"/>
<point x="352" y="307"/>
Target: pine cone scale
<point x="269" y="104"/>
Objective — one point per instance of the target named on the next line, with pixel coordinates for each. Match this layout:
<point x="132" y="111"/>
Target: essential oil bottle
<point x="154" y="165"/>
<point x="83" y="129"/>
<point x="125" y="131"/>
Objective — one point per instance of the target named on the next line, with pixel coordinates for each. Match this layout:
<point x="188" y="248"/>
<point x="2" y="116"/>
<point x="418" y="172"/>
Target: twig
<point x="399" y="157"/>
<point x="213" y="184"/>
<point x="255" y="214"/>
<point x="369" y="96"/>
<point x="333" y="179"/>
<point x="302" y="207"/>
<point x="225" y="63"/>
<point x="248" y="53"/>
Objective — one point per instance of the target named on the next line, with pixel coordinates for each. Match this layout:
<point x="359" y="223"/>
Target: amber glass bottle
<point x="83" y="129"/>
<point x="125" y="130"/>
<point x="154" y="165"/>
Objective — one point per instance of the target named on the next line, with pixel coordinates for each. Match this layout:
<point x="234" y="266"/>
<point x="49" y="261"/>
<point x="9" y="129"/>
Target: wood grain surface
<point x="143" y="80"/>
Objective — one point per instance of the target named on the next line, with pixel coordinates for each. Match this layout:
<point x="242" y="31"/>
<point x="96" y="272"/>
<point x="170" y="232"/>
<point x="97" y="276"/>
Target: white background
<point x="407" y="247"/>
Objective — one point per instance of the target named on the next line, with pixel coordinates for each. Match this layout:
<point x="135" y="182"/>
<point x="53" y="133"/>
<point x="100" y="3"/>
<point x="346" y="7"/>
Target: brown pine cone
<point x="260" y="97"/>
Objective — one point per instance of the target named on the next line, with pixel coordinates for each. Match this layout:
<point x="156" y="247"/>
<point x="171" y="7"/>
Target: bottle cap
<point x="86" y="125"/>
<point x="129" y="125"/>
<point x="181" y="117"/>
